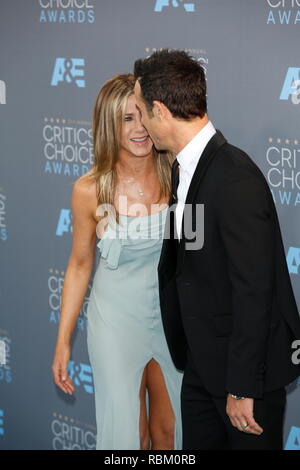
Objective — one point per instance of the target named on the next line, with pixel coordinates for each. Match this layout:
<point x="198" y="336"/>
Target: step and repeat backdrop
<point x="54" y="57"/>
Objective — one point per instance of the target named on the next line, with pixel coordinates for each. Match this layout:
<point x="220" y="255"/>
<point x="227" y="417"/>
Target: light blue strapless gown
<point x="124" y="330"/>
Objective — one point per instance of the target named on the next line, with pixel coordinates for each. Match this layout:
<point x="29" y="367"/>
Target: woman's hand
<point x="59" y="368"/>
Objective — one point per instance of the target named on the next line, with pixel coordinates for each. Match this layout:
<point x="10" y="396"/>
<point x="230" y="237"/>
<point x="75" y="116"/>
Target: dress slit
<point x="177" y="416"/>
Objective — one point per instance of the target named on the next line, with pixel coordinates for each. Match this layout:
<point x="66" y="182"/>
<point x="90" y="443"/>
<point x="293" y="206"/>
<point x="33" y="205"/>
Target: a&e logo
<point x="81" y="374"/>
<point x="293" y="441"/>
<point x="293" y="260"/>
<point x="1" y="423"/>
<point x="160" y="4"/>
<point x="64" y="223"/>
<point x="68" y="70"/>
<point x="291" y="86"/>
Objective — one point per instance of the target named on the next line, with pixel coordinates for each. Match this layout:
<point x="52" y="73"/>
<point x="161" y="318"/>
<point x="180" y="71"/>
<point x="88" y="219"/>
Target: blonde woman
<point x="137" y="387"/>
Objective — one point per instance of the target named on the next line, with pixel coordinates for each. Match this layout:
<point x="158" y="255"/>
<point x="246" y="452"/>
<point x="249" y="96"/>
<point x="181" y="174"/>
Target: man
<point x="228" y="308"/>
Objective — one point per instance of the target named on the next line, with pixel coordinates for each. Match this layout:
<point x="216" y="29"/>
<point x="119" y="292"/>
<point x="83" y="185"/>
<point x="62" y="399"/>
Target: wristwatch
<point x="236" y="397"/>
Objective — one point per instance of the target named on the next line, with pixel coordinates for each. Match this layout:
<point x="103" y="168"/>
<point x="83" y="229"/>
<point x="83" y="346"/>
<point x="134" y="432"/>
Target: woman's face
<point x="134" y="137"/>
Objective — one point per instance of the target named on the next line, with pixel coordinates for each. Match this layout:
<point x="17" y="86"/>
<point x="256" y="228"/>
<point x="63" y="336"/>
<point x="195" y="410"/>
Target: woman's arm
<point x="78" y="272"/>
<point x="80" y="263"/>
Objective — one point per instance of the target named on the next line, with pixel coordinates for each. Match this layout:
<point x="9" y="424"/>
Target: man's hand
<point x="240" y="413"/>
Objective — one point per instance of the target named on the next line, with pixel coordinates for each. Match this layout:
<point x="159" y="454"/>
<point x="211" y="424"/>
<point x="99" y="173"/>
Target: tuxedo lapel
<point x="172" y="256"/>
<point x="206" y="158"/>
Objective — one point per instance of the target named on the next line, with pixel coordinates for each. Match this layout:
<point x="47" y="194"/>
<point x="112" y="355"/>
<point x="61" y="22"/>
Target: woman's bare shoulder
<point x="85" y="186"/>
<point x="84" y="192"/>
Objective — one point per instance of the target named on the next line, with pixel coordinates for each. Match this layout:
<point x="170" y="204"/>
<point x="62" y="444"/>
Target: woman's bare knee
<point x="144" y="428"/>
<point x="162" y="435"/>
<point x="161" y="415"/>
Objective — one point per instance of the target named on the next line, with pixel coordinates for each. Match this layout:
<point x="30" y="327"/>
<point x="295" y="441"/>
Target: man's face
<point x="150" y="122"/>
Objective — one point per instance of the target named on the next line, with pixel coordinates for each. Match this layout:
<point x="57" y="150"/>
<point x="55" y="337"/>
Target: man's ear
<point x="159" y="110"/>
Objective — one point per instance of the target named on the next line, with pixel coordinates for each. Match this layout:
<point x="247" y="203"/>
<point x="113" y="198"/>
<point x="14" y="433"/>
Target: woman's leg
<point x="161" y="416"/>
<point x="144" y="427"/>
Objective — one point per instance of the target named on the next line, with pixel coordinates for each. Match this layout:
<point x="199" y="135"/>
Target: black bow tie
<point x="175" y="179"/>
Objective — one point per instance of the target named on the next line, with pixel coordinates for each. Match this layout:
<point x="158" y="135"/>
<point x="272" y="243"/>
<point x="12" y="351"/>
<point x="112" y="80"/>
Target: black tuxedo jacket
<point x="231" y="302"/>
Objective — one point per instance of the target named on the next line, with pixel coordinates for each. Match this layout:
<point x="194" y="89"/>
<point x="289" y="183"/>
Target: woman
<point x="137" y="387"/>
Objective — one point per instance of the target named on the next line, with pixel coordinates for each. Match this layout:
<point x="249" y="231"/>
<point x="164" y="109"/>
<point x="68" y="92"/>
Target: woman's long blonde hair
<point x="108" y="112"/>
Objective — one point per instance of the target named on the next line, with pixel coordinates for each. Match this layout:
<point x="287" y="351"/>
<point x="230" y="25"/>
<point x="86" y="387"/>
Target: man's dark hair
<point x="174" y="78"/>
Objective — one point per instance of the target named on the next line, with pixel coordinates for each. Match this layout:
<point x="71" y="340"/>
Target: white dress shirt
<point x="188" y="159"/>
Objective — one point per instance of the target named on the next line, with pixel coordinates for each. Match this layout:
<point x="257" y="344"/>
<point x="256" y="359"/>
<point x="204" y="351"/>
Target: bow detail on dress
<point x="110" y="250"/>
<point x="137" y="233"/>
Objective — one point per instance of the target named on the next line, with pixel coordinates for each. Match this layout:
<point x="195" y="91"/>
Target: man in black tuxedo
<point x="227" y="304"/>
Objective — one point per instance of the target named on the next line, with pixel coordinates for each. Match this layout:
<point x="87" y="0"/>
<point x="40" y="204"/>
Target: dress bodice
<point x="134" y="233"/>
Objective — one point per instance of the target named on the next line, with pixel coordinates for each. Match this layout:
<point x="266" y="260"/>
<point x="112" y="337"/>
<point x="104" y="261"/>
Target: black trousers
<point x="206" y="426"/>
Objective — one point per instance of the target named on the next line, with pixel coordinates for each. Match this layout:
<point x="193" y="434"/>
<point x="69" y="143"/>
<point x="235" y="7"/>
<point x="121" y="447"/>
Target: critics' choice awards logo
<point x="283" y="173"/>
<point x="69" y="71"/>
<point x="283" y="12"/>
<point x="184" y="4"/>
<point x="291" y="86"/>
<point x="2" y="92"/>
<point x="66" y="11"/>
<point x="5" y="368"/>
<point x="71" y="434"/>
<point x="293" y="440"/>
<point x="67" y="147"/>
<point x="3" y="227"/>
<point x="55" y="286"/>
<point x="293" y="260"/>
